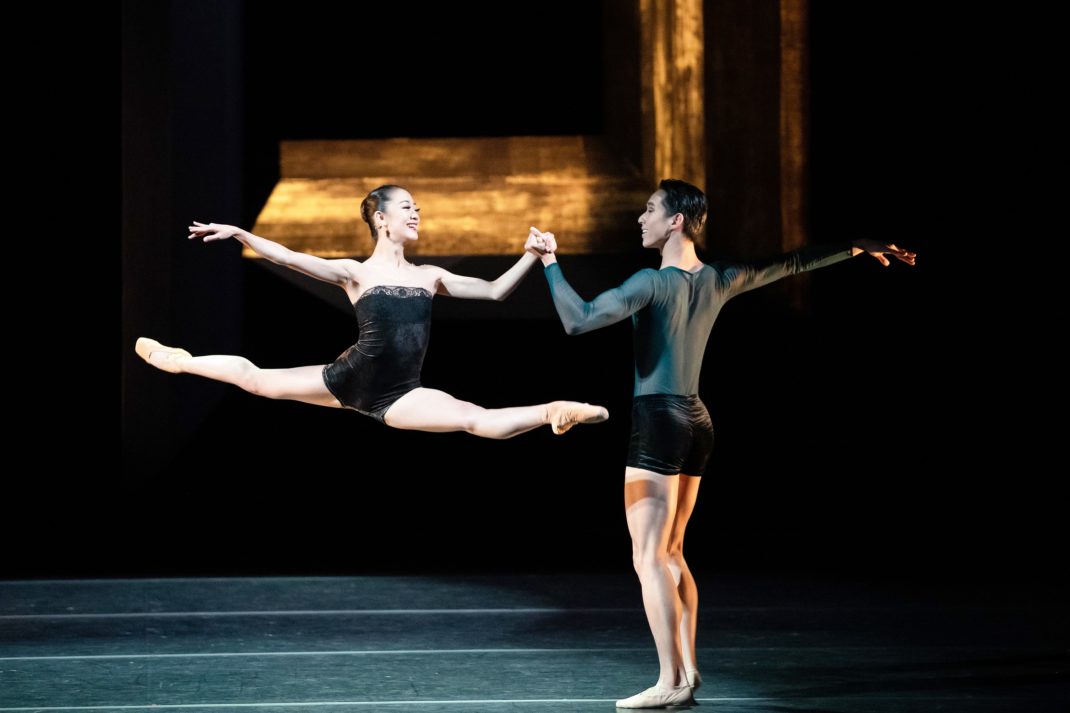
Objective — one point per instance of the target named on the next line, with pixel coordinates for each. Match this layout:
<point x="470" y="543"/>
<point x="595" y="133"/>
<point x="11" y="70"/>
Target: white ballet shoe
<point x="566" y="414"/>
<point x="658" y="697"/>
<point x="694" y="679"/>
<point x="146" y="347"/>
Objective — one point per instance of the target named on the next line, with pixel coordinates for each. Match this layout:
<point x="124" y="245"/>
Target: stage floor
<point x="524" y="643"/>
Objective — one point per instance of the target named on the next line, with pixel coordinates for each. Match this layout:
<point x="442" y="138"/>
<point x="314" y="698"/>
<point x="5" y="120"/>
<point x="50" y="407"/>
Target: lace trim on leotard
<point x="396" y="291"/>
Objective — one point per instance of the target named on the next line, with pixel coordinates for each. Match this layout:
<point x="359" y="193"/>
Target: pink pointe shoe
<point x="146" y="347"/>
<point x="566" y="414"/>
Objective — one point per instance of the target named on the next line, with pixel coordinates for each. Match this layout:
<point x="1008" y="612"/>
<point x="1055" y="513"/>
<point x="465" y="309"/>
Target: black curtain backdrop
<point x="851" y="437"/>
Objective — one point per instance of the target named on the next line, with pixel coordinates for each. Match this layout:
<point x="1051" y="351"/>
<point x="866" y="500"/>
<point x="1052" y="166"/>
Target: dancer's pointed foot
<point x="694" y="679"/>
<point x="166" y="357"/>
<point x="659" y="697"/>
<point x="566" y="414"/>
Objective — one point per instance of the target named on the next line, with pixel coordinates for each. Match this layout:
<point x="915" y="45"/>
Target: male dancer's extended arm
<point x="579" y="316"/>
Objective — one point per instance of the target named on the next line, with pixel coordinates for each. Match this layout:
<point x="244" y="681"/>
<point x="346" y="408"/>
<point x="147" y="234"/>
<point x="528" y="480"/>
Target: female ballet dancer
<point x="673" y="310"/>
<point x="379" y="376"/>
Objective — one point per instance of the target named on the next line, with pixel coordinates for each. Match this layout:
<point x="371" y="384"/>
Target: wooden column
<point x="757" y="112"/>
<point x="794" y="111"/>
<point x="673" y="96"/>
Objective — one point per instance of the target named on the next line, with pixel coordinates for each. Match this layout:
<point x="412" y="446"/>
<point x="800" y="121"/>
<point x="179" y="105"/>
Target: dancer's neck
<point x="389" y="254"/>
<point x="679" y="251"/>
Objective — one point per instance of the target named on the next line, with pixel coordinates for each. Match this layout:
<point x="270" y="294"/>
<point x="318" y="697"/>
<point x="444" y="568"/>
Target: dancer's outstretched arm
<point x="741" y="277"/>
<point x="338" y="272"/>
<point x="474" y="288"/>
<point x="579" y="316"/>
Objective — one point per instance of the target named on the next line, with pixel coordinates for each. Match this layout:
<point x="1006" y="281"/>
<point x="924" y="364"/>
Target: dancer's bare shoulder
<point x="430" y="276"/>
<point x="352" y="267"/>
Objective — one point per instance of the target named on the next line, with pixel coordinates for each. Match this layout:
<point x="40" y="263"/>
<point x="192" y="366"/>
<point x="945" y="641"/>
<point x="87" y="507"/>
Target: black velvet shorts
<point x="671" y="434"/>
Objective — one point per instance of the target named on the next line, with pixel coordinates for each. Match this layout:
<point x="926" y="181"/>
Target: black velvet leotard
<point x="385" y="363"/>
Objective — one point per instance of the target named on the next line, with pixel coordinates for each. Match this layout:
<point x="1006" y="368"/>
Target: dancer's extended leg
<point x="302" y="383"/>
<point x="433" y="410"/>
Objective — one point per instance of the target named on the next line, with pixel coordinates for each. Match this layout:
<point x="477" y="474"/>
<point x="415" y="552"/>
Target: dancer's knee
<point x="255" y="380"/>
<point x="646" y="559"/>
<point x="481" y="422"/>
<point x="677" y="564"/>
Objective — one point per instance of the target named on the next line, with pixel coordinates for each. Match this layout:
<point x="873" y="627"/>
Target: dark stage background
<point x="848" y="438"/>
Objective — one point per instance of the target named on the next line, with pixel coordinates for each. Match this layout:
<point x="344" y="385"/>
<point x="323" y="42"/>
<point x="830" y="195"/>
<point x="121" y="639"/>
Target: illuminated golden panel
<point x="478" y="196"/>
<point x="672" y="101"/>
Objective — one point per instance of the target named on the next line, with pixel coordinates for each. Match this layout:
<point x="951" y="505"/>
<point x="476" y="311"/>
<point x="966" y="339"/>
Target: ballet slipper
<point x="566" y="414"/>
<point x="658" y="697"/>
<point x="146" y="347"/>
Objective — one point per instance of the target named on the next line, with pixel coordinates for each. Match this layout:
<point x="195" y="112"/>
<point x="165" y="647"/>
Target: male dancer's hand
<point x="212" y="231"/>
<point x="878" y="250"/>
<point x="537" y="243"/>
<point x="548" y="243"/>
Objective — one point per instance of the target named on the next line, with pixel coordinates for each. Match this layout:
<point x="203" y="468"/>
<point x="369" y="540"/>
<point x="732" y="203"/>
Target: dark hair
<point x="682" y="197"/>
<point x="375" y="201"/>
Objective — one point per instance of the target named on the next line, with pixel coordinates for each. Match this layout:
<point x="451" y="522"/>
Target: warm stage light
<point x="477" y="196"/>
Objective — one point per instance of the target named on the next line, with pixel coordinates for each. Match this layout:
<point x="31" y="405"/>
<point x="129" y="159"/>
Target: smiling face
<point x="398" y="217"/>
<point x="655" y="222"/>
